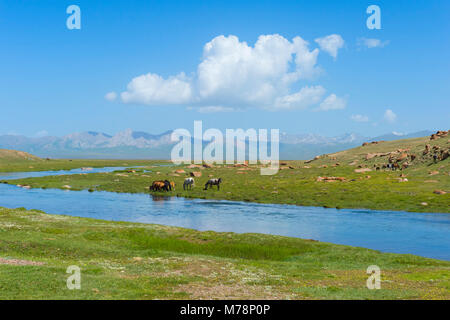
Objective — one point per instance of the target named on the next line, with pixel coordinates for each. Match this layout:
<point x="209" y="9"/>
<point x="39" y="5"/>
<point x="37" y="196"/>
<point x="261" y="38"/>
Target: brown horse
<point x="160" y="186"/>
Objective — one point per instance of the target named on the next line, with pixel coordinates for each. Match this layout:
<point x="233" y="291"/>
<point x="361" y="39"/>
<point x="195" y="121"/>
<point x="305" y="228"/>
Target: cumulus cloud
<point x="332" y="102"/>
<point x="390" y="116"/>
<point x="331" y="44"/>
<point x="372" y="43"/>
<point x="111" y="96"/>
<point x="234" y="74"/>
<point x="153" y="89"/>
<point x="359" y="118"/>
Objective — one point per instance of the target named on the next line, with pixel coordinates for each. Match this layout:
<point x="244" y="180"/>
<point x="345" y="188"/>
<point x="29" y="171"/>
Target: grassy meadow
<point x="362" y="186"/>
<point x="120" y="260"/>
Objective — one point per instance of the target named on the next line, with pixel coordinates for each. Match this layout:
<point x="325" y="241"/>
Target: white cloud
<point x="332" y="102"/>
<point x="331" y="44"/>
<point x="390" y="116"/>
<point x="234" y="74"/>
<point x="359" y="118"/>
<point x="372" y="43"/>
<point x="153" y="89"/>
<point x="111" y="96"/>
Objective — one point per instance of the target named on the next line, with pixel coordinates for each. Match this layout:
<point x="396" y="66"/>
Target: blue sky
<point x="54" y="80"/>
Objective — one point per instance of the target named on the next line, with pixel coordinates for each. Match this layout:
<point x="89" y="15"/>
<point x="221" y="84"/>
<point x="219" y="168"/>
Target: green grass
<point x="15" y="161"/>
<point x="379" y="190"/>
<point x="139" y="261"/>
<point x="122" y="260"/>
<point x="382" y="191"/>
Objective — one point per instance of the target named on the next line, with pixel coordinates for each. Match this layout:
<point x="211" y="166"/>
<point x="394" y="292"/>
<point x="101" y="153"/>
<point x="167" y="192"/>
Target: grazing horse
<point x="213" y="182"/>
<point x="169" y="185"/>
<point x="188" y="183"/>
<point x="393" y="166"/>
<point x="161" y="186"/>
<point x="157" y="186"/>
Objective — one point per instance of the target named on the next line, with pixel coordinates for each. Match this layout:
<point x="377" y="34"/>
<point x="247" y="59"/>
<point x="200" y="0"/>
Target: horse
<point x="157" y="186"/>
<point x="188" y="183"/>
<point x="161" y="186"/>
<point x="393" y="166"/>
<point x="169" y="185"/>
<point x="213" y="182"/>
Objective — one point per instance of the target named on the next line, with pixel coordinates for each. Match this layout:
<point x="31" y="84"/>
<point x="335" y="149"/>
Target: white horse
<point x="188" y="183"/>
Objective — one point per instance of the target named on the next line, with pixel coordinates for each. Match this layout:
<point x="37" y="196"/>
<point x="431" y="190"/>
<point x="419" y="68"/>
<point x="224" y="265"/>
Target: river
<point x="423" y="234"/>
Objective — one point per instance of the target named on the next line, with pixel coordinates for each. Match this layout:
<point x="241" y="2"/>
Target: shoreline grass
<point x="122" y="260"/>
<point x="38" y="164"/>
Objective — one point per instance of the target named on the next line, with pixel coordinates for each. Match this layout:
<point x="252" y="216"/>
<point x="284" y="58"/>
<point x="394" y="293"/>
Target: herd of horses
<point x="188" y="184"/>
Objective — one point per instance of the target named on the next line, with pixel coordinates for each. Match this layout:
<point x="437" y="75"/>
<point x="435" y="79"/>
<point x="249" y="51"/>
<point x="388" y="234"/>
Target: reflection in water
<point x="158" y="198"/>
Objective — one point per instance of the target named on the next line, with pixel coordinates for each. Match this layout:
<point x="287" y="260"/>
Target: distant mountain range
<point x="131" y="144"/>
<point x="397" y="136"/>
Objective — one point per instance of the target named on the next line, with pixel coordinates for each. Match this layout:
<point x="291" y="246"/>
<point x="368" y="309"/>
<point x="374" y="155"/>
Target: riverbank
<point x="122" y="260"/>
<point x="25" y="163"/>
<point x="297" y="184"/>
